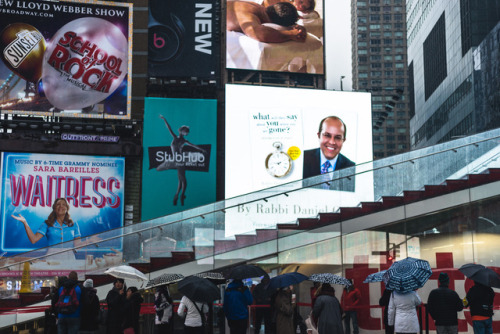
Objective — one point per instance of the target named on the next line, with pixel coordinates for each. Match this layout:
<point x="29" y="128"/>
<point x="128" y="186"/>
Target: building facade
<point x="379" y="66"/>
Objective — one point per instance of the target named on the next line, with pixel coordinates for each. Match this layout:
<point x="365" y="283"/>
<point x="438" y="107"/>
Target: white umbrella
<point x="126" y="272"/>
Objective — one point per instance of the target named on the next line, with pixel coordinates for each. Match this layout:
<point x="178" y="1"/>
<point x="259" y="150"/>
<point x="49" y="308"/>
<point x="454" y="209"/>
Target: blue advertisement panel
<point x="179" y="165"/>
<point x="92" y="192"/>
<point x="183" y="38"/>
<point x="66" y="58"/>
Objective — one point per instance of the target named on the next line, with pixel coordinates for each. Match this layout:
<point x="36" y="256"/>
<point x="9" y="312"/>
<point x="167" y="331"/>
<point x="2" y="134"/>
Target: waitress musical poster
<point x="179" y="164"/>
<point x="30" y="183"/>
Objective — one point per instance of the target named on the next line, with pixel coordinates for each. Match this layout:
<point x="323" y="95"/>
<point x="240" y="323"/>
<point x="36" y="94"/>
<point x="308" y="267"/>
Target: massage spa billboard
<point x="258" y="41"/>
<point x="66" y="58"/>
<point x="263" y="121"/>
<point x="183" y="38"/>
<point x="30" y="183"/>
<point x="179" y="164"/>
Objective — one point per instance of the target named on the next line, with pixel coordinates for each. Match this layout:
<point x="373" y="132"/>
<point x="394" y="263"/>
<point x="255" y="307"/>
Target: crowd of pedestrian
<point x="76" y="309"/>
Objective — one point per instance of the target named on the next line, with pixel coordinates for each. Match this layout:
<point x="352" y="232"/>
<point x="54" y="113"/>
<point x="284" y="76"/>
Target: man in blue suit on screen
<point x="327" y="158"/>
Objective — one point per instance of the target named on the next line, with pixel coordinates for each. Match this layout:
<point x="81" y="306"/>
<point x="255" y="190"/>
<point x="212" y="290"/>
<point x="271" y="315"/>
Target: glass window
<point x="360" y="44"/>
<point x="362" y="52"/>
<point x="361" y="3"/>
<point x="399" y="41"/>
<point x="363" y="68"/>
<point x="390" y="138"/>
<point x="362" y="28"/>
<point x="375" y="9"/>
<point x="376" y="65"/>
<point x="400" y="73"/>
<point x="387" y="2"/>
<point x="398" y="57"/>
<point x="374" y="17"/>
<point x="402" y="130"/>
<point x="375" y="49"/>
<point x="363" y="75"/>
<point x="400" y="81"/>
<point x="362" y="59"/>
<point x="387" y="65"/>
<point x="400" y="65"/>
<point x="387" y="33"/>
<point x="361" y="35"/>
<point x="376" y="73"/>
<point x="374" y="1"/>
<point x="387" y="26"/>
<point x="376" y="98"/>
<point x="361" y="19"/>
<point x="387" y="57"/>
<point x="375" y="57"/>
<point x="398" y="8"/>
<point x="389" y="73"/>
<point x="398" y="26"/>
<point x="398" y="50"/>
<point x="374" y="26"/>
<point x="374" y="33"/>
<point x="398" y="17"/>
<point x="387" y="17"/>
<point x="387" y="40"/>
<point x="398" y="34"/>
<point x="389" y="130"/>
<point x="377" y="107"/>
<point x="387" y="50"/>
<point x="375" y="41"/>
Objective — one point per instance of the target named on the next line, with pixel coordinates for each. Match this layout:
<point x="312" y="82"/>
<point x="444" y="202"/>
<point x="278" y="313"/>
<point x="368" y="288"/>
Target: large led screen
<point x="269" y="35"/>
<point x="66" y="58"/>
<point x="183" y="38"/>
<point x="179" y="164"/>
<point x="32" y="183"/>
<point x="263" y="121"/>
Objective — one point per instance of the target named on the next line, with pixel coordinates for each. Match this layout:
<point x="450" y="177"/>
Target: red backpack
<point x="68" y="301"/>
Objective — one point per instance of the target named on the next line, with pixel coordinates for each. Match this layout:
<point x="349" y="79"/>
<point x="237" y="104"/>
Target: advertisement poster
<point x="179" y="165"/>
<point x="66" y="58"/>
<point x="275" y="36"/>
<point x="93" y="187"/>
<point x="284" y="122"/>
<point x="183" y="38"/>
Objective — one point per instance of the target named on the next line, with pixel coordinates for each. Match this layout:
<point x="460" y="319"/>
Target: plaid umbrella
<point x="164" y="279"/>
<point x="407" y="275"/>
<point x="287" y="279"/>
<point x="329" y="278"/>
<point x="481" y="274"/>
<point x="375" y="277"/>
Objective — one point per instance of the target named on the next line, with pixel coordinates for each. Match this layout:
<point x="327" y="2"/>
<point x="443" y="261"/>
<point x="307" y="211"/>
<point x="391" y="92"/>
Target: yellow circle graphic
<point x="294" y="152"/>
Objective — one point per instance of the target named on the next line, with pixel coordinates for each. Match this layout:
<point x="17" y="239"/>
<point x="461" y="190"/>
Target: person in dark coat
<point x="115" y="300"/>
<point x="327" y="311"/>
<point x="480" y="300"/>
<point x="132" y="309"/>
<point x="384" y="301"/>
<point x="90" y="309"/>
<point x="284" y="309"/>
<point x="262" y="298"/>
<point x="236" y="300"/>
<point x="443" y="305"/>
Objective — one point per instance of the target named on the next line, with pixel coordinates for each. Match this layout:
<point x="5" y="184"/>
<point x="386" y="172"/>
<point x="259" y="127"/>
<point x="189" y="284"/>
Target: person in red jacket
<point x="350" y="299"/>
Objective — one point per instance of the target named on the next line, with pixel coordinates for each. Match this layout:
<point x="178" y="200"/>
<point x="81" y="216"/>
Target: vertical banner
<point x="183" y="38"/>
<point x="92" y="186"/>
<point x="66" y="58"/>
<point x="179" y="165"/>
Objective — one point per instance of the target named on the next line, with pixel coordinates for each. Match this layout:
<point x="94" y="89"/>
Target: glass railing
<point x="243" y="228"/>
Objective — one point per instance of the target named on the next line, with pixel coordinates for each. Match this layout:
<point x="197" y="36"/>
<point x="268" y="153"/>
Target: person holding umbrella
<point x="163" y="310"/>
<point x="237" y="298"/>
<point x="193" y="313"/>
<point x="402" y="313"/>
<point x="480" y="300"/>
<point x="327" y="311"/>
<point x="284" y="310"/>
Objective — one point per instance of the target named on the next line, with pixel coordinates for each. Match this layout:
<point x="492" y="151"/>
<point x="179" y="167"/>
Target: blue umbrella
<point x="287" y="279"/>
<point x="407" y="275"/>
<point x="375" y="277"/>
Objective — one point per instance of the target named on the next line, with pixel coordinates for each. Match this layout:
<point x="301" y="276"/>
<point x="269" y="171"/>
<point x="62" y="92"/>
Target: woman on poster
<point x="58" y="228"/>
<point x="177" y="147"/>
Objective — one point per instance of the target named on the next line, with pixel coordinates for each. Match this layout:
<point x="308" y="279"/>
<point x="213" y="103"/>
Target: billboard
<point x="93" y="187"/>
<point x="66" y="58"/>
<point x="183" y="38"/>
<point x="257" y="38"/>
<point x="180" y="137"/>
<point x="266" y="123"/>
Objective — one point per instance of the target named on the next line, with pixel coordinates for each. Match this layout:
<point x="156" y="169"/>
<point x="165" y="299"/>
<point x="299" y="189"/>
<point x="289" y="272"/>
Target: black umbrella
<point x="246" y="271"/>
<point x="199" y="289"/>
<point x="216" y="278"/>
<point x="287" y="279"/>
<point x="481" y="274"/>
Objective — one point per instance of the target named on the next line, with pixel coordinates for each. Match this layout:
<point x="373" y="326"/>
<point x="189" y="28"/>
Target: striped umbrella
<point x="330" y="278"/>
<point x="407" y="275"/>
<point x="164" y="279"/>
<point x="375" y="277"/>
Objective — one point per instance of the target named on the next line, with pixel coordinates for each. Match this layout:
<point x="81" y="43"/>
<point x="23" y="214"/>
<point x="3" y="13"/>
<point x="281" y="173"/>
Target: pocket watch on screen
<point x="278" y="163"/>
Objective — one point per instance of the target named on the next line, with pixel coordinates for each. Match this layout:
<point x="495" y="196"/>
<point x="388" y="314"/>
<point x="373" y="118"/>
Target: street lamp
<point x="341" y="78"/>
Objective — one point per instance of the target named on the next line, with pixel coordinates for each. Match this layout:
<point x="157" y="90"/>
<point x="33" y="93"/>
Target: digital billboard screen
<point x="66" y="58"/>
<point x="269" y="35"/>
<point x="180" y="148"/>
<point x="183" y="38"/>
<point x="274" y="136"/>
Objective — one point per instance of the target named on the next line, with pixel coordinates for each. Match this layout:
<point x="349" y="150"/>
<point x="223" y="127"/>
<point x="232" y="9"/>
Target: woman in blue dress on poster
<point x="58" y="228"/>
<point x="177" y="147"/>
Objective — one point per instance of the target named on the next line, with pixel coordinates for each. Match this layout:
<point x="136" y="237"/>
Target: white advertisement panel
<point x="261" y="121"/>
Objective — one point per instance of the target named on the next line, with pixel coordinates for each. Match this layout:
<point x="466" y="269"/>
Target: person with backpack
<point x="164" y="311"/>
<point x="195" y="313"/>
<point x="90" y="309"/>
<point x="68" y="306"/>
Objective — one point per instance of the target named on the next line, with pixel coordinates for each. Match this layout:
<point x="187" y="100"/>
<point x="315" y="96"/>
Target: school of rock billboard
<point x="93" y="187"/>
<point x="183" y="38"/>
<point x="179" y="164"/>
<point x="66" y="58"/>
